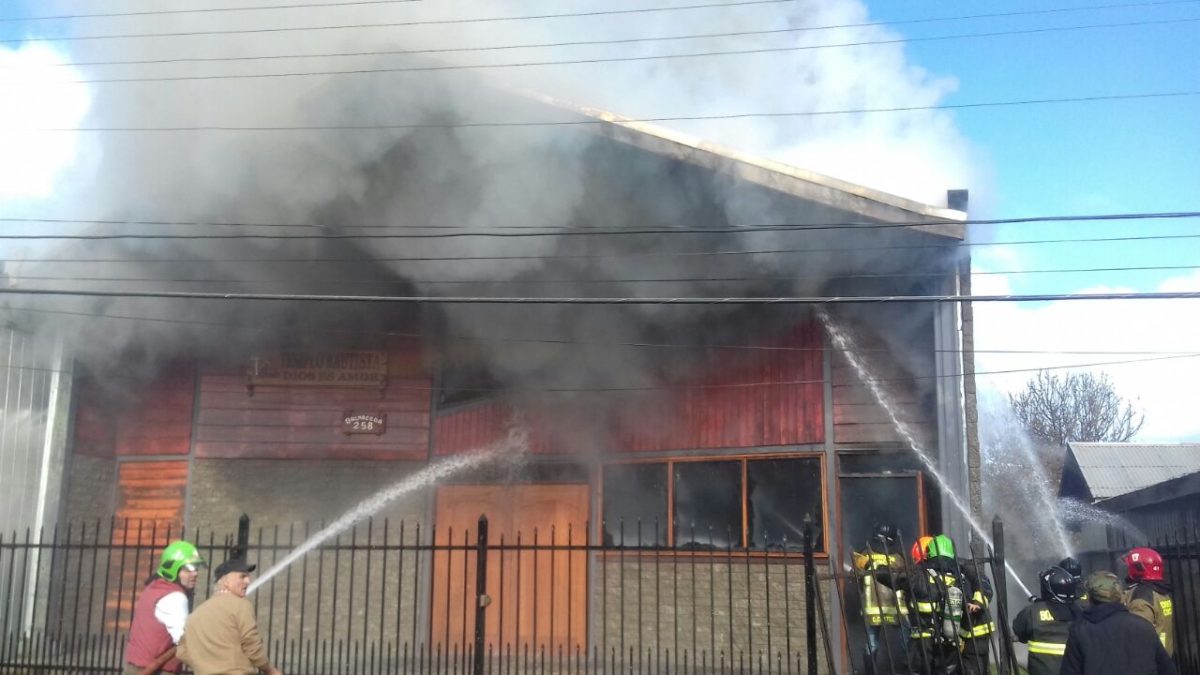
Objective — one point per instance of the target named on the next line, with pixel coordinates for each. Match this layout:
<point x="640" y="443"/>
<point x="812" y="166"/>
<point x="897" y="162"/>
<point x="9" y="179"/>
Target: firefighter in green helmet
<point x="953" y="627"/>
<point x="160" y="611"/>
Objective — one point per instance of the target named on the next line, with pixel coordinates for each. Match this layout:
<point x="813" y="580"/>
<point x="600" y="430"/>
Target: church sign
<point x="356" y="368"/>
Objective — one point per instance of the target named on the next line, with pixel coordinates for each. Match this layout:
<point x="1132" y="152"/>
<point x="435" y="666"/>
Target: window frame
<point x="743" y="459"/>
<point x="917" y="473"/>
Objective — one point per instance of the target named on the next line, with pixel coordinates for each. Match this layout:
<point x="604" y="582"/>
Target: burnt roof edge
<point x="833" y="192"/>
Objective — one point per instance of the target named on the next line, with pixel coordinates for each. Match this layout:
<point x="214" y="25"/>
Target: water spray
<point x="515" y="441"/>
<point x="844" y="344"/>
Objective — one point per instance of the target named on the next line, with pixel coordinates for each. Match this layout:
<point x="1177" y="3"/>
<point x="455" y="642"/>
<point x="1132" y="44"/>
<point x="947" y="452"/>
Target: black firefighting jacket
<point x="1044" y="625"/>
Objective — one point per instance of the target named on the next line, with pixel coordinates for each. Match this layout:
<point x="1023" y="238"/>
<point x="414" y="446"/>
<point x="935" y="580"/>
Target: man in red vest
<point x="161" y="610"/>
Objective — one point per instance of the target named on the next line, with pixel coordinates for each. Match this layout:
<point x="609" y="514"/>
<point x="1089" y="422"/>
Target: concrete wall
<point x="91" y="489"/>
<point x="286" y="492"/>
<point x="706" y="607"/>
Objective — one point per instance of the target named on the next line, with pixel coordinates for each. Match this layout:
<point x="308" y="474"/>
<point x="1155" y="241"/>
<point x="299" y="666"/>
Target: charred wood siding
<point x="751" y="398"/>
<point x="858" y="417"/>
<point x="305" y="423"/>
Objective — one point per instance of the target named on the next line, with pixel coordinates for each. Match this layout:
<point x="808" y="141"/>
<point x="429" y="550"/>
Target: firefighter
<point x="1149" y="595"/>
<point x="918" y="549"/>
<point x="952" y="625"/>
<point x="160" y="612"/>
<point x="1071" y="566"/>
<point x="884" y="613"/>
<point x="1044" y="623"/>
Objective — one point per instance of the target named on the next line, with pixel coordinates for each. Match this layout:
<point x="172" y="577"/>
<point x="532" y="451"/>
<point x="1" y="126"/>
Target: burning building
<point x="711" y="435"/>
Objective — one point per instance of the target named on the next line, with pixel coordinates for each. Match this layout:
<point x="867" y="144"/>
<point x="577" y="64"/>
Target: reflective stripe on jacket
<point x="1044" y="625"/>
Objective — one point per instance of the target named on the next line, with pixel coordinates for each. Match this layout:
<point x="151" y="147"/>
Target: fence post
<point x="243" y="538"/>
<point x="1008" y="657"/>
<point x="810" y="598"/>
<point x="481" y="598"/>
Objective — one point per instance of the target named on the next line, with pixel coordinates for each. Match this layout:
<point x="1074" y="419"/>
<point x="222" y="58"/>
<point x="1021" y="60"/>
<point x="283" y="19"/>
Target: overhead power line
<point x="401" y="24"/>
<point x="547" y="300"/>
<point x="677" y="118"/>
<point x="204" y="10"/>
<point x="359" y="3"/>
<point x="671" y="387"/>
<point x="684" y="386"/>
<point x="589" y="256"/>
<point x="17" y="277"/>
<point x="608" y="59"/>
<point x="242" y="325"/>
<point x="579" y="43"/>
<point x="554" y="231"/>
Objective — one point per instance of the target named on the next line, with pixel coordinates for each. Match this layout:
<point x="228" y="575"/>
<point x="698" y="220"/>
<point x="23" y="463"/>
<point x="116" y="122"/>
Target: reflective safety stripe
<point x="925" y="607"/>
<point x="1052" y="648"/>
<point x="984" y="629"/>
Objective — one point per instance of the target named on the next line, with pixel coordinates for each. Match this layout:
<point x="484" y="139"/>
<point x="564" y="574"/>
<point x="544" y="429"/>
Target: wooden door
<point x="539" y="597"/>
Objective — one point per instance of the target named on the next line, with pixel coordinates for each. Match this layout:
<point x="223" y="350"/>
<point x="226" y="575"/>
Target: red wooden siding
<point x="153" y="491"/>
<point x="156" y="420"/>
<point x="748" y="398"/>
<point x="160" y="422"/>
<point x="151" y="498"/>
<point x="306" y="422"/>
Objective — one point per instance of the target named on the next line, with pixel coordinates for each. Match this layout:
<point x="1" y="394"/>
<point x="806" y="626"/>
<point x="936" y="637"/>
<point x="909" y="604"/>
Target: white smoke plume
<point x="473" y="177"/>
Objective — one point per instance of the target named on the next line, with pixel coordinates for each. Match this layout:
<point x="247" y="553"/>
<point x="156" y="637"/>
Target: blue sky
<point x="1107" y="157"/>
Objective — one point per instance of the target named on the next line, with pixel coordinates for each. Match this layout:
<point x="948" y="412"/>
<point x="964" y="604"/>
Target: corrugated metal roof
<point x="1112" y="469"/>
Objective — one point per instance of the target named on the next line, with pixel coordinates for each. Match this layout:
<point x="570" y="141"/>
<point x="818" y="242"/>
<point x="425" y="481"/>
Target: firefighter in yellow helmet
<point x="885" y="613"/>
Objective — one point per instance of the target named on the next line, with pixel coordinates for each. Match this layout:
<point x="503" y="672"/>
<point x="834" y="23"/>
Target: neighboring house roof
<point x="1112" y="469"/>
<point x="865" y="202"/>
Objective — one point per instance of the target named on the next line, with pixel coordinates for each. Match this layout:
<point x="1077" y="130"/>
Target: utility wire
<point x="555" y="231"/>
<point x="228" y="325"/>
<point x="17" y="277"/>
<point x="724" y="385"/>
<point x="610" y="59"/>
<point x="577" y="43"/>
<point x="593" y="256"/>
<point x="204" y="10"/>
<point x="546" y="300"/>
<point x="354" y="3"/>
<point x="400" y="24"/>
<point x="678" y="118"/>
<point x="625" y="255"/>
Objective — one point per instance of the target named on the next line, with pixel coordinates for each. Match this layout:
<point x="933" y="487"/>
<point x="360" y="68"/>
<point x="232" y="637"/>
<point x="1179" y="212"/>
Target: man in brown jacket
<point x="221" y="637"/>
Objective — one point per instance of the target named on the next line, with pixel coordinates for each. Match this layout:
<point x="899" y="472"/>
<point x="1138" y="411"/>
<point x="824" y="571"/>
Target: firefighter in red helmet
<point x="1149" y="595"/>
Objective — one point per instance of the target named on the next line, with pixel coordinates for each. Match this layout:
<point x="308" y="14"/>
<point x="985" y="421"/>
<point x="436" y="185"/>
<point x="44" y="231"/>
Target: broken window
<point x="635" y="496"/>
<point x="783" y="494"/>
<point x="708" y="505"/>
<point x="868" y="502"/>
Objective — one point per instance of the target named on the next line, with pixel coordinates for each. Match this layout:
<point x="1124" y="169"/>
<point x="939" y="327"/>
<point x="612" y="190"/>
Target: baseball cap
<point x="1105" y="587"/>
<point x="233" y="565"/>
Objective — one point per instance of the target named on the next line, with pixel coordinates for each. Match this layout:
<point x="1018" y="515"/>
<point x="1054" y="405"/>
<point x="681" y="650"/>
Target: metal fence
<point x="389" y="597"/>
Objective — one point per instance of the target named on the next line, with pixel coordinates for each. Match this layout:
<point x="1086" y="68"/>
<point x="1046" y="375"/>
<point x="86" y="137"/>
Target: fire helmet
<point x="918" y="548"/>
<point x="1057" y="584"/>
<point x="1071" y="566"/>
<point x="888" y="535"/>
<point x="940" y="547"/>
<point x="175" y="556"/>
<point x="1145" y="564"/>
